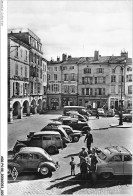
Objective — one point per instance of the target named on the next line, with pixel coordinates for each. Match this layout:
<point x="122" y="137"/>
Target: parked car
<point x="101" y="111"/>
<point x="32" y="159"/>
<point x="74" y="135"/>
<point x="50" y="141"/>
<point x="80" y="109"/>
<point x="110" y="113"/>
<point x="127" y="117"/>
<point x="60" y="130"/>
<point x="76" y="115"/>
<point x="113" y="160"/>
<point x="75" y="124"/>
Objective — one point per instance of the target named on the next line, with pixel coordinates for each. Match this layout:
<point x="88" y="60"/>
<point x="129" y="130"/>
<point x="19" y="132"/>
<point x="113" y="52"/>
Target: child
<point x="72" y="163"/>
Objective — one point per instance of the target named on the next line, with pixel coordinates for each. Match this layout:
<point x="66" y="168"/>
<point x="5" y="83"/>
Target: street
<point x="61" y="182"/>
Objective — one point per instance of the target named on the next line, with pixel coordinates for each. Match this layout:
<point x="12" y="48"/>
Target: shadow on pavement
<point x="60" y="178"/>
<point x="27" y="176"/>
<point x="75" y="154"/>
<point x="81" y="184"/>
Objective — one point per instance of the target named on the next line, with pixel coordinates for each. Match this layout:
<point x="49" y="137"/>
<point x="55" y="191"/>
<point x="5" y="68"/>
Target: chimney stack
<point x="96" y="55"/>
<point x="124" y="53"/>
<point x="64" y="57"/>
<point x="58" y="58"/>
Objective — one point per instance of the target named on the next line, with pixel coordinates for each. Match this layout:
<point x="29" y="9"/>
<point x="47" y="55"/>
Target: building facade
<point x="36" y="102"/>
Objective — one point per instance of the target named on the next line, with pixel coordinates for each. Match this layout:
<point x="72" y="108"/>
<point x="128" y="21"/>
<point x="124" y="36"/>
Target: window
<point x="41" y="73"/>
<point x="129" y="69"/>
<point x="86" y="80"/>
<point x="26" y="72"/>
<point x="36" y="156"/>
<point x="31" y="87"/>
<point x="101" y="80"/>
<point x="19" y="157"/>
<point x="55" y="88"/>
<point x="72" y="89"/>
<point x="129" y="78"/>
<point x="36" y="137"/>
<point x="65" y="77"/>
<point x="21" y="70"/>
<point x="116" y="158"/>
<point x="100" y="70"/>
<point x="55" y="76"/>
<point x="73" y="77"/>
<point x="127" y="158"/>
<point x="48" y="76"/>
<point x="112" y="89"/>
<point x="113" y="78"/>
<point x="95" y="80"/>
<point x="16" y="69"/>
<point x="83" y="91"/>
<point x="87" y="91"/>
<point x="66" y="89"/>
<point x="46" y="138"/>
<point x="119" y="89"/>
<point x="55" y="68"/>
<point x="87" y="70"/>
<point x="64" y="67"/>
<point x="71" y="67"/>
<point x="39" y="88"/>
<point x="130" y="89"/>
<point x="26" y="55"/>
<point x="21" y="53"/>
<point x="16" y="52"/>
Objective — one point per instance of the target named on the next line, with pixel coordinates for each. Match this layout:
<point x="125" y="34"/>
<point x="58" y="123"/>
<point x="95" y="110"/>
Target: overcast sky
<point x="76" y="27"/>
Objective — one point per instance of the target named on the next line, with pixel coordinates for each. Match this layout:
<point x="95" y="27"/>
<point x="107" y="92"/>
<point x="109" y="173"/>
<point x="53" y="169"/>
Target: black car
<point x="127" y="117"/>
<point x="75" y="124"/>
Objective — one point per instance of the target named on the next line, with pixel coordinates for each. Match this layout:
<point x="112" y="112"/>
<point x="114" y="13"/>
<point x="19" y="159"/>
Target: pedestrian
<point x="89" y="139"/>
<point x="72" y="163"/>
<point x="97" y="114"/>
<point x="94" y="160"/>
<point x="82" y="155"/>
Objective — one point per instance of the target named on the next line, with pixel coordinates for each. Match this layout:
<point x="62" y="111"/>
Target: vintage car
<point x="74" y="114"/>
<point x="73" y="135"/>
<point x="31" y="159"/>
<point x="127" y="117"/>
<point x="76" y="124"/>
<point x="113" y="160"/>
<point x="101" y="111"/>
<point x="56" y="128"/>
<point x="50" y="141"/>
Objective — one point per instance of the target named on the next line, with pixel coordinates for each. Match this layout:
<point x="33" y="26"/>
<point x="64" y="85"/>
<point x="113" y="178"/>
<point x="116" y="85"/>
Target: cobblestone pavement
<point x="61" y="182"/>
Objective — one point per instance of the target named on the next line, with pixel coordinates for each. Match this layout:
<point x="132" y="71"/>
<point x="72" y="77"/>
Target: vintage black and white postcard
<point x="66" y="97"/>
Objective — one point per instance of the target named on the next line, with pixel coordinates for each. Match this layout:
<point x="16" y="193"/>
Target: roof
<point x="46" y="133"/>
<point x="32" y="149"/>
<point x="118" y="149"/>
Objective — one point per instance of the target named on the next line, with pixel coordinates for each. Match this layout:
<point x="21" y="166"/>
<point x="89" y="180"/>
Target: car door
<point x="21" y="160"/>
<point x="46" y="141"/>
<point x="116" y="163"/>
<point x="33" y="161"/>
<point x="127" y="164"/>
<point x="36" y="141"/>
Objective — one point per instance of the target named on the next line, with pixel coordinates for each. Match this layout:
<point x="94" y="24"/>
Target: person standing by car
<point x="82" y="155"/>
<point x="97" y="114"/>
<point x="94" y="160"/>
<point x="89" y="139"/>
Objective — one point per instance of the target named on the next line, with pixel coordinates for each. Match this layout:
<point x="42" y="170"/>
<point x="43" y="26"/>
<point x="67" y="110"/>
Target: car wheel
<point x="106" y="175"/>
<point x="44" y="171"/>
<point x="52" y="150"/>
<point x="9" y="171"/>
<point x="75" y="139"/>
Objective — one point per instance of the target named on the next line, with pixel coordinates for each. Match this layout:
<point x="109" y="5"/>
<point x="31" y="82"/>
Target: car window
<point x="19" y="157"/>
<point x="116" y="158"/>
<point x="25" y="156"/>
<point x="46" y="138"/>
<point x="127" y="158"/>
<point x="36" y="137"/>
<point x="31" y="157"/>
<point x="57" y="137"/>
<point x="36" y="156"/>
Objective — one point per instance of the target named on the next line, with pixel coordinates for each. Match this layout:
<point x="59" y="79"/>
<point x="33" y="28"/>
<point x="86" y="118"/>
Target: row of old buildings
<point x="35" y="84"/>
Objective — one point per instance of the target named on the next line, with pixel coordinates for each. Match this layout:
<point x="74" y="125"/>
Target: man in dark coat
<point x="89" y="139"/>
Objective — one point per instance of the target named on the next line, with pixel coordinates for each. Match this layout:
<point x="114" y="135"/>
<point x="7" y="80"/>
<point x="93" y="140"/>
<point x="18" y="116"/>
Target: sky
<point x="76" y="28"/>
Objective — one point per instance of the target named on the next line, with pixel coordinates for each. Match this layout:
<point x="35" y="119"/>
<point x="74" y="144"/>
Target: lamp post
<point x="122" y="67"/>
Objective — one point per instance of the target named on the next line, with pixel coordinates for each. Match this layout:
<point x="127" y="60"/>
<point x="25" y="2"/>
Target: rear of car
<point x="80" y="109"/>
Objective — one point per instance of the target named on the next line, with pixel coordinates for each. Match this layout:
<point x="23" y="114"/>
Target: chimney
<point x="124" y="53"/>
<point x="64" y="57"/>
<point x="96" y="55"/>
<point x="58" y="58"/>
<point x="69" y="56"/>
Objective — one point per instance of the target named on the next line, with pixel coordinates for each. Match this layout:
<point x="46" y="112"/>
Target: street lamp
<point x="122" y="67"/>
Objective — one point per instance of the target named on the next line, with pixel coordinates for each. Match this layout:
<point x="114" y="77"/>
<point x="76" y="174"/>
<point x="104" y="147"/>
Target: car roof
<point x="67" y="126"/>
<point x="74" y="107"/>
<point x="54" y="123"/>
<point x="32" y="149"/>
<point x="118" y="150"/>
<point x="47" y="133"/>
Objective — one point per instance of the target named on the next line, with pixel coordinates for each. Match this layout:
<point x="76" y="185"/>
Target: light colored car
<point x="31" y="159"/>
<point x="101" y="111"/>
<point x="113" y="160"/>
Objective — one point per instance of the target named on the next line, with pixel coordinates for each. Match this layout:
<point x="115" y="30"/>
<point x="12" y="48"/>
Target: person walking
<point x="89" y="139"/>
<point x="97" y="114"/>
<point x="72" y="163"/>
